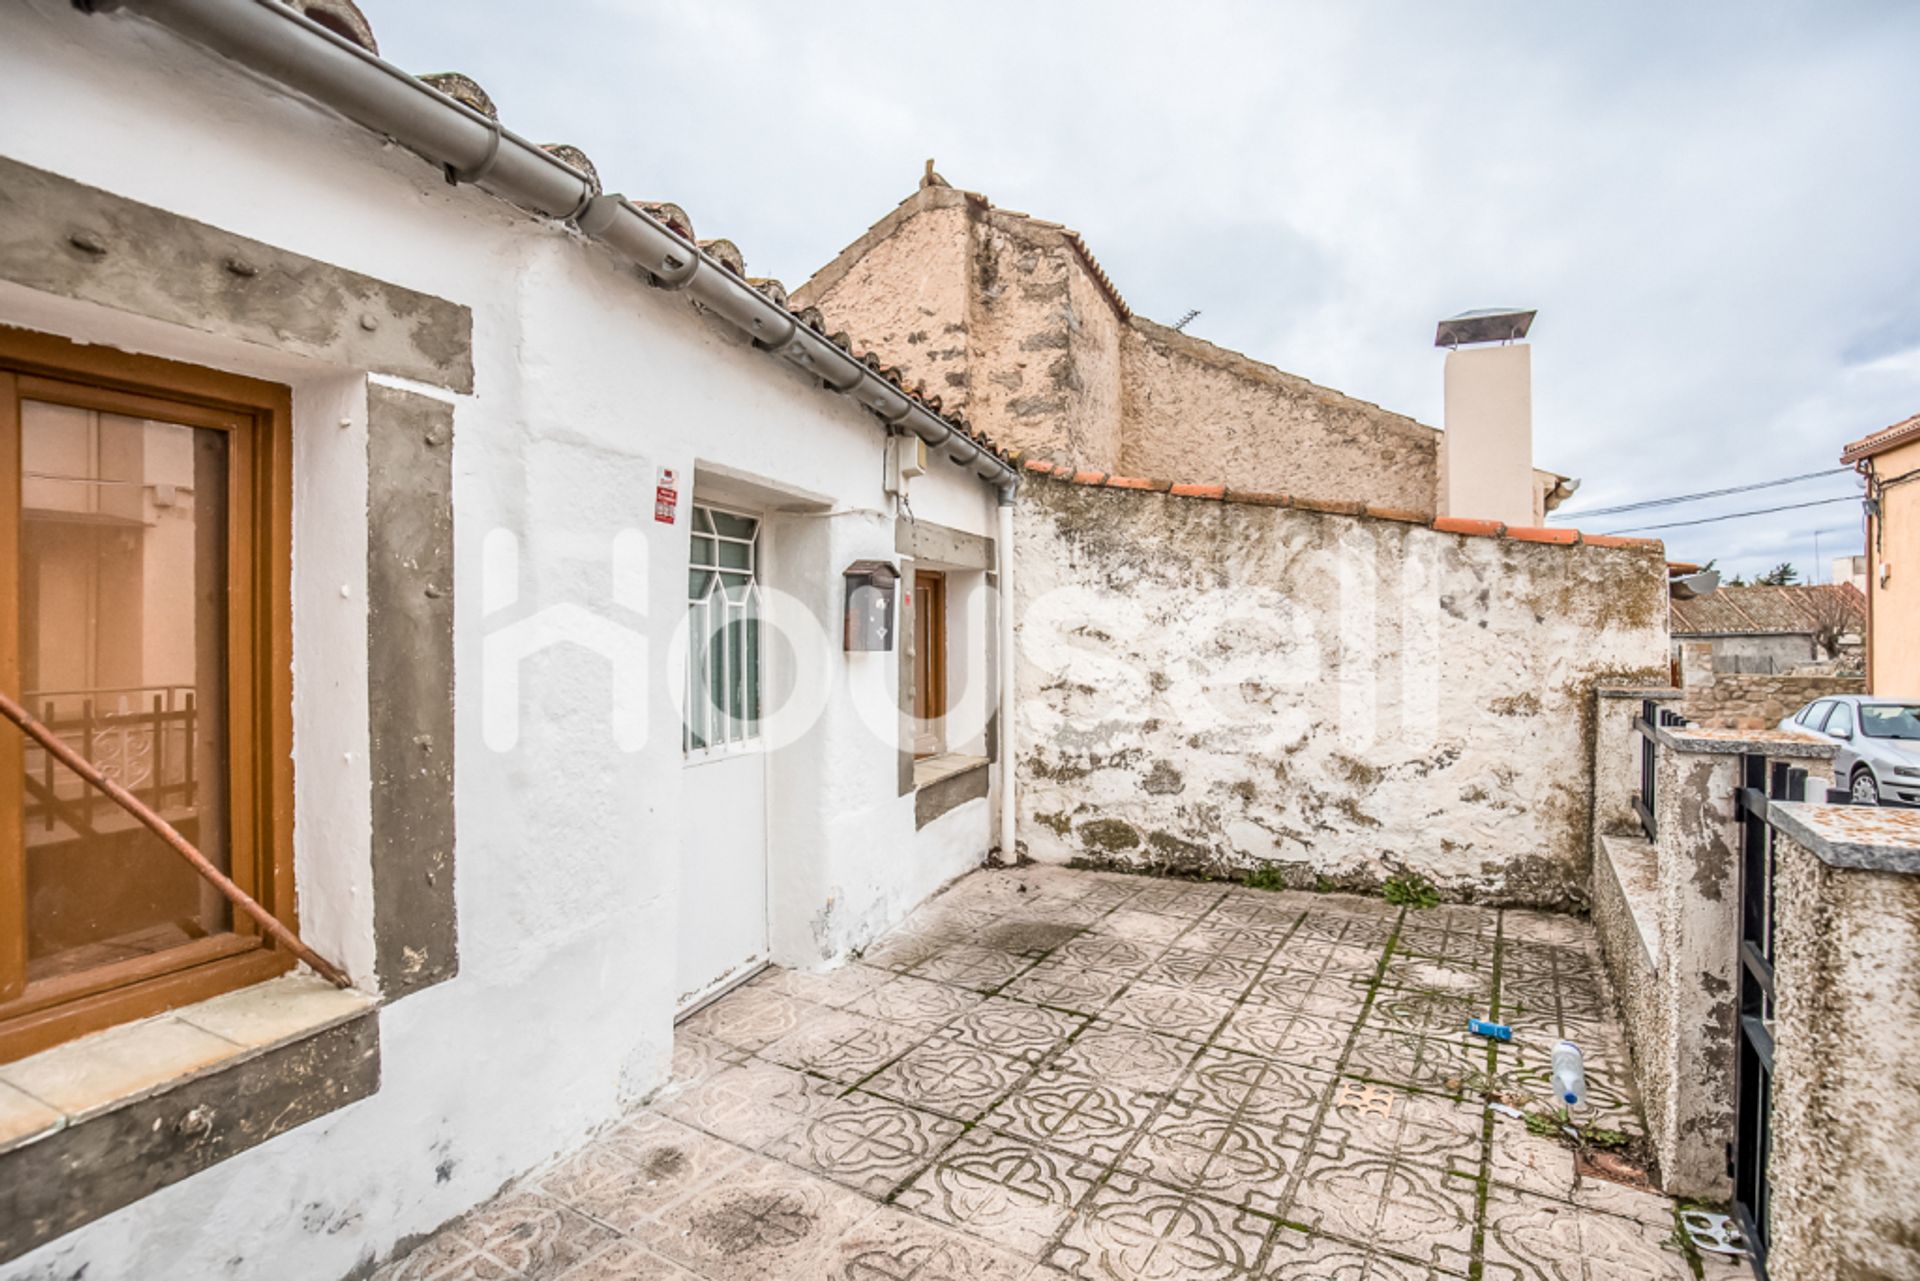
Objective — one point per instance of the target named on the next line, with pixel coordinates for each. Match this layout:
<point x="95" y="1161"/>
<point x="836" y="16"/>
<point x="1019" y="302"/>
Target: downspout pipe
<point x="295" y="52"/>
<point x="1009" y="742"/>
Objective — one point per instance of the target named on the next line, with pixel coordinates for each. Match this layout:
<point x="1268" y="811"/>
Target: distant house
<point x="1890" y="461"/>
<point x="1771" y="629"/>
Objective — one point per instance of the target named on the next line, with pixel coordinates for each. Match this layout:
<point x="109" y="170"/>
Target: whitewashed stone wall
<point x="1220" y="687"/>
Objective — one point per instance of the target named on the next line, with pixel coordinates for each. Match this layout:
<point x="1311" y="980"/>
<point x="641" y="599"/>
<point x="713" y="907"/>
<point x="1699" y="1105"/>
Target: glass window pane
<point x="702" y="553"/>
<point x="699" y="583"/>
<point x="750" y="651"/>
<point x="696" y="713"/>
<point x="123" y="589"/>
<point x="736" y="556"/>
<point x="734" y="526"/>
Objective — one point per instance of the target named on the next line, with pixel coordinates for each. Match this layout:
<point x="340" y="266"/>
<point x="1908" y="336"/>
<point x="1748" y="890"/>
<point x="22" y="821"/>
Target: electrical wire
<point x="1758" y="511"/>
<point x="1688" y="498"/>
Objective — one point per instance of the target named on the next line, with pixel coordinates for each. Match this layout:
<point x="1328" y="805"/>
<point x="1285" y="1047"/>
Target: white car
<point x="1879" y="739"/>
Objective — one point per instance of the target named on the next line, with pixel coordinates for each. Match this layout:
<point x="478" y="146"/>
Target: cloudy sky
<point x="1712" y="205"/>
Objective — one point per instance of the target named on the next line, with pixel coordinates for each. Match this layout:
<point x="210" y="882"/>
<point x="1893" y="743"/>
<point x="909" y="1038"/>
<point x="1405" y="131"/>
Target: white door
<point x="723" y="859"/>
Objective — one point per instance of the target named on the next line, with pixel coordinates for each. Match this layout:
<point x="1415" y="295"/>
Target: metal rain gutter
<point x="297" y="53"/>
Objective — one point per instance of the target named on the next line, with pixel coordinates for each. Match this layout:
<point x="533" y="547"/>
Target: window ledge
<point x="943" y="783"/>
<point x="929" y="770"/>
<point x="98" y="1123"/>
<point x="83" y="1078"/>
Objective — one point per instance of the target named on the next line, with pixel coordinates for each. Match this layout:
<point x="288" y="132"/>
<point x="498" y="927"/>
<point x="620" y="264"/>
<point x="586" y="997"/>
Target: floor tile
<point x="842" y="1046"/>
<point x="953" y="1079"/>
<point x="627" y="1178"/>
<point x="1536" y="1239"/>
<point x="866" y="1142"/>
<point x="1002" y="1188"/>
<point x="769" y="1222"/>
<point x="1051" y="1074"/>
<point x="1425" y="1213"/>
<point x="1084" y="1116"/>
<point x="1108" y="1051"/>
<point x="1135" y="1230"/>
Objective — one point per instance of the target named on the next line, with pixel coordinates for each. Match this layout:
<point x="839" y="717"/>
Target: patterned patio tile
<point x="1235" y="1084"/>
<point x="1014" y="1029"/>
<point x="520" y="1235"/>
<point x="1433" y="1061"/>
<point x="1544" y="927"/>
<point x="1230" y="1159"/>
<point x="1370" y="1119"/>
<point x="625" y="1179"/>
<point x="697" y="1058"/>
<point x="750" y="1105"/>
<point x="1088" y="1117"/>
<point x="842" y="1046"/>
<point x="1289" y="1036"/>
<point x="1532" y="1238"/>
<point x="983" y="969"/>
<point x="1110" y="1051"/>
<point x="1216" y="972"/>
<point x="1330" y="995"/>
<point x="1100" y="950"/>
<point x="1421" y="1211"/>
<point x="914" y="1002"/>
<point x="1173" y="899"/>
<point x="1150" y="930"/>
<point x="1422" y="1010"/>
<point x="626" y="1261"/>
<point x="1133" y="1229"/>
<point x="1531" y="1162"/>
<point x="890" y="1246"/>
<point x="752" y="1017"/>
<point x="1001" y="1188"/>
<point x="1357" y="961"/>
<point x="902" y="952"/>
<point x="1066" y="985"/>
<point x="768" y="1222"/>
<point x="1297" y="1256"/>
<point x="1225" y="938"/>
<point x="1188" y="1012"/>
<point x="1468" y="981"/>
<point x="866" y="1142"/>
<point x="834" y="987"/>
<point x="949" y="1077"/>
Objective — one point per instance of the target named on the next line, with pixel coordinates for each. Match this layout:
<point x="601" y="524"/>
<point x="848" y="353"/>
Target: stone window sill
<point x="929" y="770"/>
<point x="942" y="783"/>
<point x="100" y="1122"/>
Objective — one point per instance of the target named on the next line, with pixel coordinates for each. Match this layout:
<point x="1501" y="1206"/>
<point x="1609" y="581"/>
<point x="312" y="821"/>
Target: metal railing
<point x="56" y="747"/>
<point x="1761" y="783"/>
<point x="143" y="738"/>
<point x="1651" y="718"/>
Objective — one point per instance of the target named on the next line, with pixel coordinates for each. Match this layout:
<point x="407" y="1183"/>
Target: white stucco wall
<point x="586" y="382"/>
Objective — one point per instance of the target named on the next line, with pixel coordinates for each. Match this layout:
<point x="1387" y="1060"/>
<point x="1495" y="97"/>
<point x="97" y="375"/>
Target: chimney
<point x="1486" y="451"/>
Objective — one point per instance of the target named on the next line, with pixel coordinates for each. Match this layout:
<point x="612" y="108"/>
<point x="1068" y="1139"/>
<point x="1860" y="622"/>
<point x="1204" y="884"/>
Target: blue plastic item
<point x="1497" y="1031"/>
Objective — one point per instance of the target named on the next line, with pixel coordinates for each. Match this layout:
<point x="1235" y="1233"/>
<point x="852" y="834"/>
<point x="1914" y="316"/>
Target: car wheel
<point x="1865" y="790"/>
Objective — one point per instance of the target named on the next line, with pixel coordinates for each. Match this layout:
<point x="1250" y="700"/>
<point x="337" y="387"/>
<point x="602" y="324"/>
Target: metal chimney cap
<point x="1490" y="324"/>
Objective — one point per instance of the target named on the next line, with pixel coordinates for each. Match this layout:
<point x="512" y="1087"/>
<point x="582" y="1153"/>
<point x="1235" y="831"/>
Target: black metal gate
<point x="1760" y="782"/>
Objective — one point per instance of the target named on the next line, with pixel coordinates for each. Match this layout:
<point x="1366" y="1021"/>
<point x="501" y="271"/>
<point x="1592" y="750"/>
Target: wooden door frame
<point x="930" y="660"/>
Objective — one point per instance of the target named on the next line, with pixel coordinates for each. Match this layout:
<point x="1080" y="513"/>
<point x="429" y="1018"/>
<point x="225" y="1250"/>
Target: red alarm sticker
<point x="666" y="496"/>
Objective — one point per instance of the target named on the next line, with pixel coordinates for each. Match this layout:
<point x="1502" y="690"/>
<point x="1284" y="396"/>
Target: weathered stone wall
<point x="1845" y="1171"/>
<point x="1224" y="687"/>
<point x="1195" y="411"/>
<point x="1045" y="349"/>
<point x="1005" y="318"/>
<point x="1748" y="700"/>
<point x="903" y="287"/>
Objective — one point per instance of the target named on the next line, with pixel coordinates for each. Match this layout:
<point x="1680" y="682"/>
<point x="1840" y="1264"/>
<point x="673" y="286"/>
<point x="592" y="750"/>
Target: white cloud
<point x="1709" y="204"/>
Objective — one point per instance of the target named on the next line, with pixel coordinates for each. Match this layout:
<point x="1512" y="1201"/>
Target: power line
<point x="1758" y="511"/>
<point x="1707" y="493"/>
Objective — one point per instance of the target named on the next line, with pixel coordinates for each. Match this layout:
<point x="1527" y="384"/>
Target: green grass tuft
<point x="1410" y="889"/>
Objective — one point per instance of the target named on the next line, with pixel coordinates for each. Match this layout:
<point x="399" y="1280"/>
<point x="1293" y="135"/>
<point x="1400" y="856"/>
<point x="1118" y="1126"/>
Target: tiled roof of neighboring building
<point x="1066" y="473"/>
<point x="344" y="18"/>
<point x="1764" y="610"/>
<point x="1886" y="438"/>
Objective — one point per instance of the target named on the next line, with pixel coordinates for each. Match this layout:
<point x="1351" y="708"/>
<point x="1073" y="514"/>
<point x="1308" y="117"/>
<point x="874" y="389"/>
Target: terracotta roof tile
<point x="1886" y="438"/>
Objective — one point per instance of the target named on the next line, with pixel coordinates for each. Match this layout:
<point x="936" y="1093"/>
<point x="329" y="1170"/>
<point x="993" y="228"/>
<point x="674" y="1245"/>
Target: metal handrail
<point x="180" y="845"/>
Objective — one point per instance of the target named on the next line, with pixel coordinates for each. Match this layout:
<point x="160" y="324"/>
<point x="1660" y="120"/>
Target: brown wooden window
<point x="145" y="547"/>
<point x="930" y="655"/>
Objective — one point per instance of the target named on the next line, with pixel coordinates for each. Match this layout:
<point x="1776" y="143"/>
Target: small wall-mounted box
<point x="870" y="596"/>
<point x="906" y="458"/>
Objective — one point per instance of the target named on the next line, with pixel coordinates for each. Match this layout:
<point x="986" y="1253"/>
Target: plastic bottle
<point x="1569" y="1074"/>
